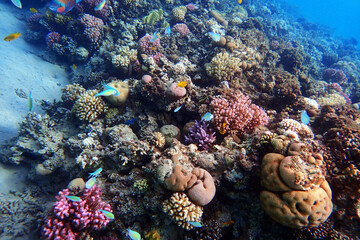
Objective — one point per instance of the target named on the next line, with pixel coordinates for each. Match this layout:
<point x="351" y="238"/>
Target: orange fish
<point x="239" y="1"/>
<point x="182" y="84"/>
<point x="222" y="128"/>
<point x="33" y="10"/>
<point x="12" y="36"/>
<point x="74" y="67"/>
<point x="228" y="223"/>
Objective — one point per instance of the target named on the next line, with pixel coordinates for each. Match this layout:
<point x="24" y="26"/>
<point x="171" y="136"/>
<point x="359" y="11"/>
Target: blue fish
<point x="133" y="234"/>
<point x="215" y="36"/>
<point x="31" y="102"/>
<point x="107" y="214"/>
<point x="89" y="183"/>
<point x="168" y="31"/>
<point x="195" y="224"/>
<point x="207" y="117"/>
<point x="96" y="173"/>
<point x="109" y="91"/>
<point x="305" y="119"/>
<point x="178" y="108"/>
<point x="73" y="198"/>
<point x="131" y="121"/>
<point x="154" y="37"/>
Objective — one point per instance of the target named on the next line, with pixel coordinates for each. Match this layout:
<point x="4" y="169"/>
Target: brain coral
<point x="223" y="67"/>
<point x="88" y="107"/>
<point x="182" y="211"/>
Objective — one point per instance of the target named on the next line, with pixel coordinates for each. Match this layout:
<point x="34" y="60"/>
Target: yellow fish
<point x="12" y="36"/>
<point x="239" y="1"/>
<point x="33" y="10"/>
<point x="222" y="129"/>
<point x="182" y="84"/>
<point x="74" y="66"/>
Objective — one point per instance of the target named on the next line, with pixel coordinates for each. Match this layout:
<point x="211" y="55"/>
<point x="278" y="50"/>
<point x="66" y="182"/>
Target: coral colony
<point x="193" y="122"/>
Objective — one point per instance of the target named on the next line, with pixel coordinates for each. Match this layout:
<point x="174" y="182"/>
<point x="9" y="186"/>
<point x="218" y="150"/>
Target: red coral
<point x="182" y="29"/>
<point x="237" y="114"/>
<point x="146" y="46"/>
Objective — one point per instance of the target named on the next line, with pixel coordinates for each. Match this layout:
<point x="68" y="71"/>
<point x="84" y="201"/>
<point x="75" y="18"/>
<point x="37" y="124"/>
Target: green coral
<point x="154" y="16"/>
<point x="141" y="185"/>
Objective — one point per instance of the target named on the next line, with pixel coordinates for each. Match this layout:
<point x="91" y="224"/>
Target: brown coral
<point x="180" y="179"/>
<point x="182" y="211"/>
<point x="88" y="107"/>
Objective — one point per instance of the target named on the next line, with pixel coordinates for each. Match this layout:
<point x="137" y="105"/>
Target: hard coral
<point x="182" y="29"/>
<point x="70" y="218"/>
<point x="223" y="67"/>
<point x="203" y="191"/>
<point x="201" y="135"/>
<point x="238" y="114"/>
<point x="182" y="211"/>
<point x="146" y="46"/>
<point x="92" y="27"/>
<point x="180" y="179"/>
<point x="88" y="107"/>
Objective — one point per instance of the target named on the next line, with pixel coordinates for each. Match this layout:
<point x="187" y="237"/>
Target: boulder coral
<point x="296" y="193"/>
<point x="123" y="89"/>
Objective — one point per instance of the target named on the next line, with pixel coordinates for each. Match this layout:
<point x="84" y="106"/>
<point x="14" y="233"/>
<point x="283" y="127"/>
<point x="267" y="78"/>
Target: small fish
<point x="73" y="198"/>
<point x="17" y="3"/>
<point x="178" y="108"/>
<point x="107" y="92"/>
<point x="228" y="223"/>
<point x="12" y="36"/>
<point x="182" y="84"/>
<point x="130" y="121"/>
<point x="215" y="36"/>
<point x="89" y="183"/>
<point x="222" y="129"/>
<point x="100" y="5"/>
<point x="96" y="173"/>
<point x="168" y="31"/>
<point x="195" y="224"/>
<point x="239" y="1"/>
<point x="107" y="214"/>
<point x="33" y="10"/>
<point x="133" y="234"/>
<point x="63" y="6"/>
<point x="305" y="119"/>
<point x="30" y="102"/>
<point x="74" y="67"/>
<point x="154" y="37"/>
<point x="207" y="117"/>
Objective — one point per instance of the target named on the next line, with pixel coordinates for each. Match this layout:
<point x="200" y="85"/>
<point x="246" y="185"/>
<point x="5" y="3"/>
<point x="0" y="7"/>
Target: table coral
<point x="182" y="211"/>
<point x="88" y="107"/>
<point x="238" y="114"/>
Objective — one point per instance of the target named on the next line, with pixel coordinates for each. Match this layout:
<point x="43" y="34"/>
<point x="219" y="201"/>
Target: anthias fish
<point x="12" y="36"/>
<point x="182" y="84"/>
<point x="63" y="6"/>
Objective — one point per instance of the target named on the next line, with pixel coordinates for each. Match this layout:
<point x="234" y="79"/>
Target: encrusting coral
<point x="182" y="211"/>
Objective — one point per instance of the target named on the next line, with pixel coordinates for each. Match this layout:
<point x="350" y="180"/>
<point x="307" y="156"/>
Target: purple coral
<point x="335" y="75"/>
<point x="147" y="46"/>
<point x="201" y="135"/>
<point x="52" y="38"/>
<point x="70" y="218"/>
<point x="93" y="27"/>
<point x="87" y="6"/>
<point x="33" y="21"/>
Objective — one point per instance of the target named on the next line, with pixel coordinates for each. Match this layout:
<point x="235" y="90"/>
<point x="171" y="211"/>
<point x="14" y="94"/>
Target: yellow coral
<point x="182" y="211"/>
<point x="179" y="13"/>
<point x="124" y="57"/>
<point x="158" y="140"/>
<point x="88" y="107"/>
<point x="223" y="67"/>
<point x="152" y="235"/>
<point x="331" y="100"/>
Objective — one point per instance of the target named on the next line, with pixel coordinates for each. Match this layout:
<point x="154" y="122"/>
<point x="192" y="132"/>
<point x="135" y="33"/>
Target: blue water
<point x="341" y="16"/>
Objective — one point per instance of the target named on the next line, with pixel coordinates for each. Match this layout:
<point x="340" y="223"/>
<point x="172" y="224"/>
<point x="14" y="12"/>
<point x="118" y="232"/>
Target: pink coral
<point x="191" y="7"/>
<point x="237" y="114"/>
<point x="93" y="27"/>
<point x="69" y="218"/>
<point x="175" y="92"/>
<point x="146" y="46"/>
<point x="52" y="38"/>
<point x="181" y="28"/>
<point x="87" y="6"/>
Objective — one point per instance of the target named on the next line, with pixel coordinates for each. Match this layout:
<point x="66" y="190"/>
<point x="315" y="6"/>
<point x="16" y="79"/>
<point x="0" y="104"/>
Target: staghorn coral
<point x="88" y="107"/>
<point x="238" y="114"/>
<point x="181" y="210"/>
<point x="223" y="67"/>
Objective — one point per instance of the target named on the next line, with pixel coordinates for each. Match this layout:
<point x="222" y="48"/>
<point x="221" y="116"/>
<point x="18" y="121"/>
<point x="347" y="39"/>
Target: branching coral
<point x="88" y="107"/>
<point x="182" y="211"/>
<point x="201" y="135"/>
<point x="237" y="114"/>
<point x="93" y="27"/>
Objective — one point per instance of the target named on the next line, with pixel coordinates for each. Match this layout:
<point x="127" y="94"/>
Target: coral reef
<point x="88" y="107"/>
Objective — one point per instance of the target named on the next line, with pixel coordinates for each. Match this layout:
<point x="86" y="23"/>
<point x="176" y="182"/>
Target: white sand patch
<point x="21" y="69"/>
